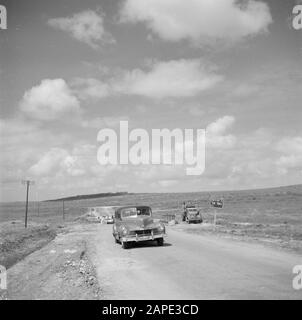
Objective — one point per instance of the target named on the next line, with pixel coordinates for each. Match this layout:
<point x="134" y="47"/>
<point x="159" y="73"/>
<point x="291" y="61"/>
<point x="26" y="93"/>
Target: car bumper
<point x="138" y="238"/>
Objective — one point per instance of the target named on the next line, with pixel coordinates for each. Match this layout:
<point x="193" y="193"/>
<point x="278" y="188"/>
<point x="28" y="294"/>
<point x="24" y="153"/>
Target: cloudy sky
<point x="69" y="68"/>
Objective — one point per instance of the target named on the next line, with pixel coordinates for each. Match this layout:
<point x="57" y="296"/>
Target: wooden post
<point x="38" y="203"/>
<point x="27" y="183"/>
<point x="26" y="206"/>
<point x="63" y="210"/>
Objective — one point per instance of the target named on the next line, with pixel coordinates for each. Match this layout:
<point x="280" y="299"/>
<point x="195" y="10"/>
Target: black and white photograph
<point x="150" y="150"/>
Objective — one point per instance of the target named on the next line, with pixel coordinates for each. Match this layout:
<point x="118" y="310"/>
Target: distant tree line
<point x="90" y="196"/>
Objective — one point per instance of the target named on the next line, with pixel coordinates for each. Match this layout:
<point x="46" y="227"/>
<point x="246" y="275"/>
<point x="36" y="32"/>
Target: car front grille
<point x="146" y="232"/>
<point x="143" y="232"/>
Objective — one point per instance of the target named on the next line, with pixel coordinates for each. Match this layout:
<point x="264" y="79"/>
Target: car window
<point x="134" y="212"/>
<point x="129" y="212"/>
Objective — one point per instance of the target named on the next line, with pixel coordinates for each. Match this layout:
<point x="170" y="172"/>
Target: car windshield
<point x="135" y="211"/>
<point x="193" y="210"/>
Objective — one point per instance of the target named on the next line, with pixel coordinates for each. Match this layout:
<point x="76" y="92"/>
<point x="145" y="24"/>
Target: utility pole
<point x="38" y="203"/>
<point x="27" y="183"/>
<point x="63" y="210"/>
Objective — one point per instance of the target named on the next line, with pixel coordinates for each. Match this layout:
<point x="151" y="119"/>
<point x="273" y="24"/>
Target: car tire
<point x="160" y="242"/>
<point x="126" y="245"/>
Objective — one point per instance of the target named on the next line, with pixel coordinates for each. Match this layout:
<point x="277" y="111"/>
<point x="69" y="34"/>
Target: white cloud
<point x="175" y="78"/>
<point x="59" y="161"/>
<point x="72" y="166"/>
<point x="19" y="143"/>
<point x="290" y="145"/>
<point x="103" y="122"/>
<point x="215" y="133"/>
<point x="291" y="150"/>
<point x="90" y="88"/>
<point x="220" y="125"/>
<point x="49" y="100"/>
<point x="86" y="26"/>
<point x="48" y="162"/>
<point x="199" y="20"/>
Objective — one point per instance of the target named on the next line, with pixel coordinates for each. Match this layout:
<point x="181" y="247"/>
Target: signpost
<point x="218" y="203"/>
<point x="27" y="183"/>
<point x="63" y="210"/>
<point x="38" y="203"/>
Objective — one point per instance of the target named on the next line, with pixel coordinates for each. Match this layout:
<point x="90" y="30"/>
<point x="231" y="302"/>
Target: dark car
<point x="135" y="223"/>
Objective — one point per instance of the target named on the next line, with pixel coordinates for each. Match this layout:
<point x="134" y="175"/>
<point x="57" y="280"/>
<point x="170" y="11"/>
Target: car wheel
<point x="116" y="239"/>
<point x="160" y="242"/>
<point x="125" y="245"/>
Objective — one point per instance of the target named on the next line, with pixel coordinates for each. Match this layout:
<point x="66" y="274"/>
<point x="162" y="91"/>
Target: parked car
<point x="191" y="215"/>
<point x="108" y="219"/>
<point x="135" y="223"/>
<point x="217" y="203"/>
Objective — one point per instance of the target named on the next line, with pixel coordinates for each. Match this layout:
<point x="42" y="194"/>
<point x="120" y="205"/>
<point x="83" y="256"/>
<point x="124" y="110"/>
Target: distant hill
<point x="289" y="190"/>
<point x="90" y="196"/>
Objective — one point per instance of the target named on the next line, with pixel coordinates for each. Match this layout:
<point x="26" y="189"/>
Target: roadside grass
<point x="16" y="242"/>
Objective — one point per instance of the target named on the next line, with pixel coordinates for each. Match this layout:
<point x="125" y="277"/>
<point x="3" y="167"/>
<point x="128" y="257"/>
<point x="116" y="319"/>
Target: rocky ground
<point x="60" y="270"/>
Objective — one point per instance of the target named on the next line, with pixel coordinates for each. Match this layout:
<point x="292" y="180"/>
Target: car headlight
<point x="124" y="230"/>
<point x="161" y="228"/>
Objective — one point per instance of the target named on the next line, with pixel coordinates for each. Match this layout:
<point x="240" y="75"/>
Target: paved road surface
<point x="192" y="267"/>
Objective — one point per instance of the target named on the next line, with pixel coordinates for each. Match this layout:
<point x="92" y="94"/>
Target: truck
<point x="191" y="214"/>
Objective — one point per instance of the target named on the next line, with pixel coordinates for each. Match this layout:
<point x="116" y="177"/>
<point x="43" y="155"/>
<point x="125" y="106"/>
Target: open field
<point x="269" y="214"/>
<point x="72" y="253"/>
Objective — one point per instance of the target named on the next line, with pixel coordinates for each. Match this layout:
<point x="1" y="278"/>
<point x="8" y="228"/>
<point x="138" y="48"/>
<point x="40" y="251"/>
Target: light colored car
<point x="134" y="224"/>
<point x="192" y="215"/>
<point x="108" y="219"/>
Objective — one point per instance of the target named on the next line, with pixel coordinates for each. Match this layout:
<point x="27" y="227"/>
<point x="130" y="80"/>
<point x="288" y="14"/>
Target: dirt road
<point x="192" y="267"/>
<point x="84" y="262"/>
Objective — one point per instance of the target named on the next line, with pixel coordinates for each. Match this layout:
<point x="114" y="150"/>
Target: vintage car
<point x="192" y="215"/>
<point x="217" y="203"/>
<point x="135" y="223"/>
<point x="108" y="219"/>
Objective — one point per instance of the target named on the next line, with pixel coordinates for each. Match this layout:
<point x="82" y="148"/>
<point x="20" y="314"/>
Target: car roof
<point x="118" y="210"/>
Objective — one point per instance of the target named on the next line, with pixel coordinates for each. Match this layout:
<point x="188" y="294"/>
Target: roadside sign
<point x="217" y="203"/>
